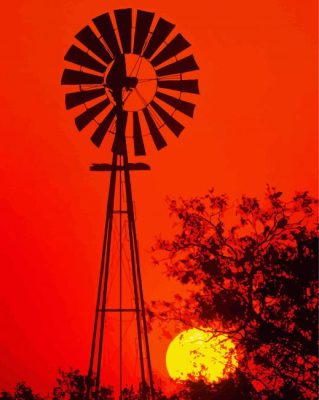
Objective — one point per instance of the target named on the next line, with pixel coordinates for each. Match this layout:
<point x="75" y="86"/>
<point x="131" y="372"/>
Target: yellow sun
<point x="198" y="354"/>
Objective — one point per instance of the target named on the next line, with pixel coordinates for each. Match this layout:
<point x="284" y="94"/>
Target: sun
<point x="197" y="354"/>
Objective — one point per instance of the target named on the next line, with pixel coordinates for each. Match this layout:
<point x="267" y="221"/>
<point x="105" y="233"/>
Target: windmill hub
<point x="131" y="82"/>
<point x="135" y="77"/>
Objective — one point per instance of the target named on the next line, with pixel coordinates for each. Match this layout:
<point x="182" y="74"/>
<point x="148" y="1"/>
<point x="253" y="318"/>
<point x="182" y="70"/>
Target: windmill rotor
<point x="136" y="56"/>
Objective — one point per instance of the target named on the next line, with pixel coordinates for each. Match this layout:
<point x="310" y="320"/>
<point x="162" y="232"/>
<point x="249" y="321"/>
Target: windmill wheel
<point x="152" y="66"/>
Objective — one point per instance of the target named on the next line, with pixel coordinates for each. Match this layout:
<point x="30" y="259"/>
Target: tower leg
<point x="137" y="280"/>
<point x="99" y="320"/>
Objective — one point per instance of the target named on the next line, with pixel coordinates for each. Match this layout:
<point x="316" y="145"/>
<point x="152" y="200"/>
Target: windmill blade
<point x="143" y="23"/>
<point x="105" y="27"/>
<point x="139" y="148"/>
<point x="124" y="24"/>
<point x="178" y="44"/>
<point x="119" y="143"/>
<point x="181" y="105"/>
<point x="90" y="113"/>
<point x="158" y="139"/>
<point x="87" y="37"/>
<point x="76" y="98"/>
<point x="80" y="57"/>
<point x="99" y="134"/>
<point x="183" y="85"/>
<point x="184" y="65"/>
<point x="162" y="30"/>
<point x="170" y="121"/>
<point x="72" y="77"/>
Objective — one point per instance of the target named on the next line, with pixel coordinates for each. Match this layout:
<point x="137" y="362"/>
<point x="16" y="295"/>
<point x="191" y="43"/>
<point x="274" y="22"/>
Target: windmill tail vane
<point x="132" y="83"/>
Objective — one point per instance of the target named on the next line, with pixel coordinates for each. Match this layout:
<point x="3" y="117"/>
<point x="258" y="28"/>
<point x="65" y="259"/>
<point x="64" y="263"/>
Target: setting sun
<point x="198" y="354"/>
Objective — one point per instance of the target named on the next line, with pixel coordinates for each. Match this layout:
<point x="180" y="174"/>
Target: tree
<point x="22" y="392"/>
<point x="236" y="387"/>
<point x="72" y="385"/>
<point x="252" y="273"/>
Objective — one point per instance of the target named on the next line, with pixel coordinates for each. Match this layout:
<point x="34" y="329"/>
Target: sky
<point x="255" y="124"/>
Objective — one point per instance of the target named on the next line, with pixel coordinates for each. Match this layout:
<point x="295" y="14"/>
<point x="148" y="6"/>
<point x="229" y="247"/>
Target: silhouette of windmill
<point x="124" y="104"/>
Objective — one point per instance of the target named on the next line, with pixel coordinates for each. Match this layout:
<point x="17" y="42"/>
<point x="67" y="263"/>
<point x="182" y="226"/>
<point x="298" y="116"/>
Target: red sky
<point x="255" y="123"/>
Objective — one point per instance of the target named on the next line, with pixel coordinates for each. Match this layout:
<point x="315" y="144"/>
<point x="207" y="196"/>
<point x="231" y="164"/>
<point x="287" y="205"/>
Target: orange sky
<point x="255" y="123"/>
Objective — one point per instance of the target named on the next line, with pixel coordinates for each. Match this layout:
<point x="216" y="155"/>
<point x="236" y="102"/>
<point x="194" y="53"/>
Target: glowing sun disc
<point x="197" y="354"/>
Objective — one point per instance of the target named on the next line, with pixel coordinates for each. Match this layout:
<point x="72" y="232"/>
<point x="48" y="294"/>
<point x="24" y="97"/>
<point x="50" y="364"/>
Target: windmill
<point x="131" y="78"/>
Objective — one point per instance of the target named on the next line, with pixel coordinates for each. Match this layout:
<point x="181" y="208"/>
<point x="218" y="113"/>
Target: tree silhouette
<point x="252" y="270"/>
<point x="236" y="387"/>
<point x="22" y="392"/>
<point x="72" y="385"/>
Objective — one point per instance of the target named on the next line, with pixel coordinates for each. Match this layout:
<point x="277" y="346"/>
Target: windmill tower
<point x="132" y="85"/>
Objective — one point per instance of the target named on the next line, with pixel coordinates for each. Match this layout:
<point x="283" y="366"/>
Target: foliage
<point x="236" y="387"/>
<point x="22" y="392"/>
<point x="72" y="385"/>
<point x="252" y="274"/>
